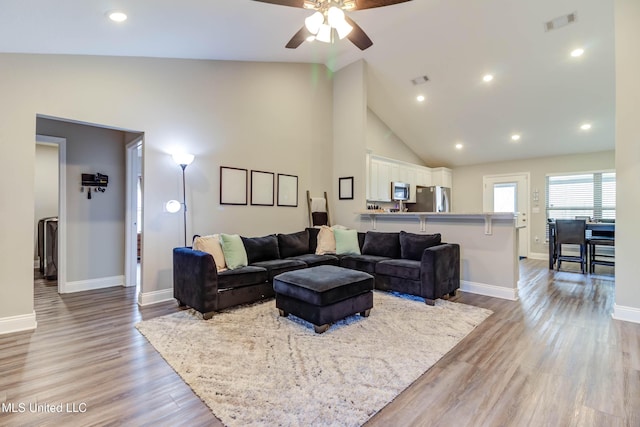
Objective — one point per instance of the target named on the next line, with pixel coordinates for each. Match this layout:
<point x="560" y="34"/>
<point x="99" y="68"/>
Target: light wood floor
<point x="553" y="358"/>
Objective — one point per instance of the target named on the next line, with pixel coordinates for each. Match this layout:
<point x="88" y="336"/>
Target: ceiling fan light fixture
<point x="349" y="4"/>
<point x="310" y="4"/>
<point x="343" y="29"/>
<point x="335" y="16"/>
<point x="314" y="22"/>
<point x="324" y="33"/>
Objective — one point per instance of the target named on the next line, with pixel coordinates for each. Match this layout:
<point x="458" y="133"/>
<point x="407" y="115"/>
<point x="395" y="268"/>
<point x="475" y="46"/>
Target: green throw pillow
<point x="346" y="242"/>
<point x="235" y="255"/>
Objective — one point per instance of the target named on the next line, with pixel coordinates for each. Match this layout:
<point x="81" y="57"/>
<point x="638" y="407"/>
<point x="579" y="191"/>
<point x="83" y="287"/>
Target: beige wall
<point x="627" y="17"/>
<point x="381" y="141"/>
<point x="268" y="116"/>
<point x="467" y="184"/>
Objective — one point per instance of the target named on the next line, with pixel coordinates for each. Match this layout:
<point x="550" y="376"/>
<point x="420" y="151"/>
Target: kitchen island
<point x="488" y="244"/>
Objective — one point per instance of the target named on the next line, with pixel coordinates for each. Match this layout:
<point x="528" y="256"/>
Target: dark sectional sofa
<point x="415" y="264"/>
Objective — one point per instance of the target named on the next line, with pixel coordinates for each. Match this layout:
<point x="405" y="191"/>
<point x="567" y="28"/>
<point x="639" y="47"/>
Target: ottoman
<point x="324" y="294"/>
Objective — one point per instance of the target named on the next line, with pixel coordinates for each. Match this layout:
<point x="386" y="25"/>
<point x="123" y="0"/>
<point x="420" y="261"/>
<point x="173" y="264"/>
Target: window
<point x="590" y="195"/>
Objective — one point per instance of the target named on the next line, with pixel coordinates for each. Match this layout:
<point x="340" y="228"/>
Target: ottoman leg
<point x="282" y="313"/>
<point x="320" y="329"/>
<point x="430" y="301"/>
<point x="365" y="313"/>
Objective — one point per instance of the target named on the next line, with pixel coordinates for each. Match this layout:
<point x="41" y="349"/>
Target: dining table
<point x="600" y="228"/>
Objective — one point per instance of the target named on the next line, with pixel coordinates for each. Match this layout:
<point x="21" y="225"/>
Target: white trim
<point x="626" y="314"/>
<point x="154" y="297"/>
<point x="62" y="206"/>
<point x="131" y="204"/>
<point x="489" y="290"/>
<point x="539" y="256"/>
<point x="91" y="284"/>
<point x="22" y="322"/>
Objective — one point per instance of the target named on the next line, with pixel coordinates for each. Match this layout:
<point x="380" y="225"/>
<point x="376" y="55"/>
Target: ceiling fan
<point x="329" y="20"/>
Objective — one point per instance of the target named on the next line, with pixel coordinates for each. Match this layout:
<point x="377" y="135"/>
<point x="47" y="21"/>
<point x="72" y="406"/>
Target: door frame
<point x="133" y="168"/>
<point x="521" y="178"/>
<point x="62" y="206"/>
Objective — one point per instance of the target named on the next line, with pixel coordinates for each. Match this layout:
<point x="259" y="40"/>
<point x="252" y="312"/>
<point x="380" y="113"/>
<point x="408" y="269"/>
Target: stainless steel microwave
<point x="400" y="191"/>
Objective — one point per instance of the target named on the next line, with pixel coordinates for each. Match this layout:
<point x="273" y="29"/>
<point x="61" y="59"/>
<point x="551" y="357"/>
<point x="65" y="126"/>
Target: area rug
<point x="253" y="367"/>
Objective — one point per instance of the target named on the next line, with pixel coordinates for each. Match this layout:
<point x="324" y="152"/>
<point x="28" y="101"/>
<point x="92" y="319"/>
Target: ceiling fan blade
<point x="358" y="36"/>
<point x="370" y="4"/>
<point x="298" y="38"/>
<point x="292" y="3"/>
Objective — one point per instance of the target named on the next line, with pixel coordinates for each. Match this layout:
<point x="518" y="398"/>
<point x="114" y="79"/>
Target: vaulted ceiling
<point x="539" y="91"/>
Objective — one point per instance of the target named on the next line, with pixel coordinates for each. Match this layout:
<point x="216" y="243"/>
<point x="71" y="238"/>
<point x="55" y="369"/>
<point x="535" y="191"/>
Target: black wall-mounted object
<point x="94" y="180"/>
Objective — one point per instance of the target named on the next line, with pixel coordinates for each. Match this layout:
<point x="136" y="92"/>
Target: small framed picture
<point x="262" y="188"/>
<point x="345" y="188"/>
<point x="233" y="186"/>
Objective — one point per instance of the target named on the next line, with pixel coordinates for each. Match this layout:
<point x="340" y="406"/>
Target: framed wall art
<point x="345" y="188"/>
<point x="233" y="186"/>
<point x="287" y="190"/>
<point x="262" y="192"/>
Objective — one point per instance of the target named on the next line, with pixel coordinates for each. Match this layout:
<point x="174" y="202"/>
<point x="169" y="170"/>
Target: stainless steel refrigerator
<point x="431" y="199"/>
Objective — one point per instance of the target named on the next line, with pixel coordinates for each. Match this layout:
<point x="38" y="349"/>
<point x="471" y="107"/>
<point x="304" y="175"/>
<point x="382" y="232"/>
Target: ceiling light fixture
<point x="577" y="52"/>
<point x="420" y="98"/>
<point x="459" y="146"/>
<point x="117" y="16"/>
<point x="515" y="137"/>
<point x="585" y="126"/>
<point x="487" y="78"/>
<point x="323" y="23"/>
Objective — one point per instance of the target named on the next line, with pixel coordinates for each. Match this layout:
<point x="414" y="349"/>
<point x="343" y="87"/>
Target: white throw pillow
<point x="211" y="245"/>
<point x="326" y="241"/>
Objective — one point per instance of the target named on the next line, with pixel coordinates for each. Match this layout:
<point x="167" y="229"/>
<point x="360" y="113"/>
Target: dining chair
<point x="571" y="232"/>
<point x="601" y="249"/>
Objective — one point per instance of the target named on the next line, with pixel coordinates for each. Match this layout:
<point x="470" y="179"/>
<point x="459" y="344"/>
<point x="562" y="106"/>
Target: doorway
<point x="133" y="238"/>
<point x="509" y="193"/>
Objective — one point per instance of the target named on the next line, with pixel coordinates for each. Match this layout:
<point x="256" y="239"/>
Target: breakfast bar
<point x="488" y="244"/>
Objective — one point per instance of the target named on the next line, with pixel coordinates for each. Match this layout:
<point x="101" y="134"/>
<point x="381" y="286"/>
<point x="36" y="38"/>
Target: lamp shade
<point x="183" y="158"/>
<point x="324" y="33"/>
<point x="172" y="206"/>
<point x="314" y="22"/>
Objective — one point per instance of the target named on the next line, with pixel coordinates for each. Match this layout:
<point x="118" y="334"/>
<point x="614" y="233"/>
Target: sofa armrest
<point x="195" y="279"/>
<point x="440" y="270"/>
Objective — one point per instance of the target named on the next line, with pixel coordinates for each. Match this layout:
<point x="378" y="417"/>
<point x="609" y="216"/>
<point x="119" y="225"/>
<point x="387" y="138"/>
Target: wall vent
<point x="419" y="80"/>
<point x="561" y="21"/>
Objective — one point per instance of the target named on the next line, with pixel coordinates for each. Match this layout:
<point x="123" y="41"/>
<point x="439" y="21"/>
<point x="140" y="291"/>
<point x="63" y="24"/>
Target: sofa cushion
<point x="313" y="239"/>
<point x="235" y="256"/>
<point x="243" y="276"/>
<point x="277" y="266"/>
<point x="293" y="244"/>
<point x="413" y="245"/>
<point x="366" y="263"/>
<point x="211" y="245"/>
<point x="382" y="244"/>
<point x="402" y="268"/>
<point x="313" y="260"/>
<point x="261" y="248"/>
<point x="346" y="242"/>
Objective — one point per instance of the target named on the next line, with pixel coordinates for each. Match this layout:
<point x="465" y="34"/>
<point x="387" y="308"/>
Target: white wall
<point x="627" y="17"/>
<point x="467" y="196"/>
<point x="95" y="227"/>
<point x="268" y="116"/>
<point x="381" y="141"/>
<point x="46" y="187"/>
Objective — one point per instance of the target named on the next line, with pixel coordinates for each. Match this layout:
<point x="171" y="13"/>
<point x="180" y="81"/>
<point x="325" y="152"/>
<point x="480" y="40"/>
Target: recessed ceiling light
<point x="459" y="146"/>
<point x="487" y="78"/>
<point x="577" y="52"/>
<point x="515" y="137"/>
<point x="117" y="16"/>
<point x="420" y="98"/>
<point x="586" y="126"/>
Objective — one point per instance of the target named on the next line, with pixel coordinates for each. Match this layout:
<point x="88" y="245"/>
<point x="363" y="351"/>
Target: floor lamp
<point x="184" y="160"/>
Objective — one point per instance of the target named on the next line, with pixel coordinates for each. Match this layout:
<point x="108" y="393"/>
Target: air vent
<point x="561" y="21"/>
<point x="419" y="80"/>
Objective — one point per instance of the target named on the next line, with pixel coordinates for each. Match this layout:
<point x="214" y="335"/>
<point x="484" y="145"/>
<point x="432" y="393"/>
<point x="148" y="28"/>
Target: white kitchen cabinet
<point x="442" y="177"/>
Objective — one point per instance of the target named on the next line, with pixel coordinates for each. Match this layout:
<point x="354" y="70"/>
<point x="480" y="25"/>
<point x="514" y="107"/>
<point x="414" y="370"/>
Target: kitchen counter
<point x="487" y="217"/>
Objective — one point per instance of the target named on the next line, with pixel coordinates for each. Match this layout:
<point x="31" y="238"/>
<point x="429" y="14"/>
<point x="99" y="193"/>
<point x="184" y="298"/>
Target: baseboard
<point x="23" y="322"/>
<point x="149" y="298"/>
<point x="91" y="284"/>
<point x="489" y="290"/>
<point x="36" y="263"/>
<point x="538" y="255"/>
<point x="626" y="314"/>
